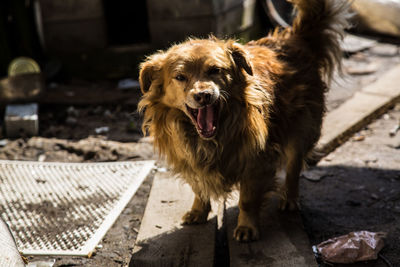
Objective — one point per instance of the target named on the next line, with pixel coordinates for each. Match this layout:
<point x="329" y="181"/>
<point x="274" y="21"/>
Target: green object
<point x="23" y="65"/>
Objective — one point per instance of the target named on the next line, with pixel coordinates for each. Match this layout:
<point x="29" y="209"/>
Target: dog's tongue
<point x="205" y="118"/>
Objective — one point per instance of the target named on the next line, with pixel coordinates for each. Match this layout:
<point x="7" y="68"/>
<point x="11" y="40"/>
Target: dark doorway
<point x="127" y="22"/>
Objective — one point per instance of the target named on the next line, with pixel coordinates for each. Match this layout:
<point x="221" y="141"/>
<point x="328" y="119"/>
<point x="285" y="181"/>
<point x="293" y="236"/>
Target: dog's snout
<point x="203" y="98"/>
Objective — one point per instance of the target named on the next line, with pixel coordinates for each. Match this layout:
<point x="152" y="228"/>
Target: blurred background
<point x="107" y="39"/>
<point x="83" y="55"/>
<point x="77" y="60"/>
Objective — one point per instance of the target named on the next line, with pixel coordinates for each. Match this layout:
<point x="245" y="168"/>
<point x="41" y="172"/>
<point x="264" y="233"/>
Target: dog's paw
<point x="194" y="217"/>
<point x="246" y="234"/>
<point x="289" y="204"/>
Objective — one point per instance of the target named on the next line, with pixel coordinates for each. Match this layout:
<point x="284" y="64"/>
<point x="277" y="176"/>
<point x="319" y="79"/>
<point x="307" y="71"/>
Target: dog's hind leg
<point x="290" y="189"/>
<point x="198" y="213"/>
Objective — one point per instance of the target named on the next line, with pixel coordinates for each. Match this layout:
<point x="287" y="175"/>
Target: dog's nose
<point x="203" y="98"/>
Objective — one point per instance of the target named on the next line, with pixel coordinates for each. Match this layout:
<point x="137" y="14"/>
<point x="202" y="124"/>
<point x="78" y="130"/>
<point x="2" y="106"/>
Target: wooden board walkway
<point x="364" y="106"/>
<point x="162" y="240"/>
<point x="283" y="241"/>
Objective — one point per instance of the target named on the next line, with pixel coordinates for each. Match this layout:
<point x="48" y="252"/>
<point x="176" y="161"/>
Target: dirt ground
<point x="357" y="185"/>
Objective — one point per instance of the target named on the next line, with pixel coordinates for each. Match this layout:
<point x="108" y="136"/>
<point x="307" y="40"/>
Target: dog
<point x="228" y="115"/>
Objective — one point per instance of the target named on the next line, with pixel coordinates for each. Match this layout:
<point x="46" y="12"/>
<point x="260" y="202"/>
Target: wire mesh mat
<point x="65" y="208"/>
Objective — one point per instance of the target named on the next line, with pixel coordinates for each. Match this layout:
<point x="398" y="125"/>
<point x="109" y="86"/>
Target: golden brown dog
<point x="225" y="114"/>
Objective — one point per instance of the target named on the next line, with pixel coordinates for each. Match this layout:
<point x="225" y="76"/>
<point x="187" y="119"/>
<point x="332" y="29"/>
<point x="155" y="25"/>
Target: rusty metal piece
<point x="21" y="88"/>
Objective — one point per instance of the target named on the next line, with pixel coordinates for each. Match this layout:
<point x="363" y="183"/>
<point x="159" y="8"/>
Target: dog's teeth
<point x="214" y="128"/>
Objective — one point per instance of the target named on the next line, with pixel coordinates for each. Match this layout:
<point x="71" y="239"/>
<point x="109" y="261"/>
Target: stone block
<point x="21" y="120"/>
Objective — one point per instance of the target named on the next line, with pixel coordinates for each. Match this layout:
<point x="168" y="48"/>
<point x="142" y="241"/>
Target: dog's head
<point x="196" y="78"/>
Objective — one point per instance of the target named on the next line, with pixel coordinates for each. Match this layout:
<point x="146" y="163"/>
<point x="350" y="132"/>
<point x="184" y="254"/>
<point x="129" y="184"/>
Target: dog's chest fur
<point x="213" y="167"/>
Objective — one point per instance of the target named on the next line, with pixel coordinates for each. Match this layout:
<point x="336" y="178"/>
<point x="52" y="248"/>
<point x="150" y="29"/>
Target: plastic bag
<point x="353" y="247"/>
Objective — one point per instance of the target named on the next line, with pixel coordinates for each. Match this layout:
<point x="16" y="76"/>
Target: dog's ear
<point x="150" y="71"/>
<point x="240" y="57"/>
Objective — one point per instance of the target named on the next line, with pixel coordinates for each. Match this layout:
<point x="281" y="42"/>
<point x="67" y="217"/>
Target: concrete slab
<point x="365" y="105"/>
<point x="388" y="85"/>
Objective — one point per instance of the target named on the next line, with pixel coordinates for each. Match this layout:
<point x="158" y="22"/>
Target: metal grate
<point x="65" y="208"/>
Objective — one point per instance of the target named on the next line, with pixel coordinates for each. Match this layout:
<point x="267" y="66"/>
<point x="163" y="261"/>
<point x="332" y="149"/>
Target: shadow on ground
<point x="345" y="199"/>
<point x="188" y="246"/>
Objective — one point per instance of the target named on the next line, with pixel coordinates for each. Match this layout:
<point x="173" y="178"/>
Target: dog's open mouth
<point x="205" y="119"/>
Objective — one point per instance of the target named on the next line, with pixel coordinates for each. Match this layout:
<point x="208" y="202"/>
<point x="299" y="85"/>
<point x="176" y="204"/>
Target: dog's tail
<point x="321" y="24"/>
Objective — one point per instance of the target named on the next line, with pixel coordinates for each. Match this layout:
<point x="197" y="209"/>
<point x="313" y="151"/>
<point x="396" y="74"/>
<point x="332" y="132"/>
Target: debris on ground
<point x="79" y="122"/>
<point x="384" y="50"/>
<point x="358" y="137"/>
<point x="3" y="142"/>
<point x="353" y="44"/>
<point x="47" y="263"/>
<point x="361" y="68"/>
<point x="72" y="111"/>
<point x="102" y="130"/>
<point x="315" y="175"/>
<point x="394" y="131"/>
<point x="353" y="247"/>
<point x="91" y="149"/>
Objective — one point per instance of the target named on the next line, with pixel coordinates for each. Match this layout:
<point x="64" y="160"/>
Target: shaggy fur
<point x="225" y="114"/>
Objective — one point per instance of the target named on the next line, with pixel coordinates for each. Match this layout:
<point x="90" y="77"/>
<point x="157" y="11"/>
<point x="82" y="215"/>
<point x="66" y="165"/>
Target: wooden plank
<point x="282" y="243"/>
<point x="162" y="240"/>
<point x="348" y="118"/>
<point x="364" y="106"/>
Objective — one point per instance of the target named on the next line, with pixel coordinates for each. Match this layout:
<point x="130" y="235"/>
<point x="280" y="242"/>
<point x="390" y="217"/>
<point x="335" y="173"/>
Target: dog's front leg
<point x="199" y="212"/>
<point x="250" y="200"/>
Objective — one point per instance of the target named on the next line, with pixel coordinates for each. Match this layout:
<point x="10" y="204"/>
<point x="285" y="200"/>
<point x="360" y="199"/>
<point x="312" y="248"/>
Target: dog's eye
<point x="180" y="77"/>
<point x="213" y="71"/>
